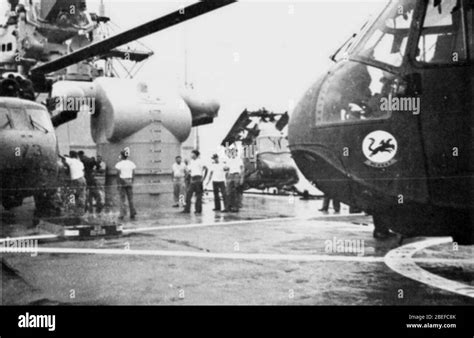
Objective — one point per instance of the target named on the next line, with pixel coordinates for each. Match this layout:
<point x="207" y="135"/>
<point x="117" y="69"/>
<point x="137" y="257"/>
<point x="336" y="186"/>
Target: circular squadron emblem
<point x="380" y="148"/>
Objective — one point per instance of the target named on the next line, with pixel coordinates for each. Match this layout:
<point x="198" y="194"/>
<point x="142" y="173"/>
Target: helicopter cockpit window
<point x="358" y="92"/>
<point x="442" y="38"/>
<point x="40" y="120"/>
<point x="272" y="144"/>
<point x="20" y="119"/>
<point x="5" y="122"/>
<point x="387" y="39"/>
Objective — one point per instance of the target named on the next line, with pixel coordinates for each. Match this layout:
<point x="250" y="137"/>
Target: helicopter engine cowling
<point x="68" y="97"/>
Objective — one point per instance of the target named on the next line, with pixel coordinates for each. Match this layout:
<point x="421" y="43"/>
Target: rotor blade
<point x="240" y="124"/>
<point x="133" y="34"/>
<point x="282" y="122"/>
<point x="137" y="56"/>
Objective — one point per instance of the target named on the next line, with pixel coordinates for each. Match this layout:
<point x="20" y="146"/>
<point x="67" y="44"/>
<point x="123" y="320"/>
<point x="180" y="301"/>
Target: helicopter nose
<point x="276" y="166"/>
<point x="311" y="149"/>
<point x="300" y="131"/>
<point x="304" y="144"/>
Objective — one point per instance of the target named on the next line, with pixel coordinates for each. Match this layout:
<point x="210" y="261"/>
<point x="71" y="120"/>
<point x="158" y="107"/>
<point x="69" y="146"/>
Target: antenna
<point x="102" y="8"/>
<point x="185" y="66"/>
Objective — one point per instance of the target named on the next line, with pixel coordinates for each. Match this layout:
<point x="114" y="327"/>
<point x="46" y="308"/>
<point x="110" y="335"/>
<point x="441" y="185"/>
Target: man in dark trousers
<point x="125" y="169"/>
<point x="197" y="171"/>
<point x="93" y="189"/>
<point x="335" y="203"/>
<point x="235" y="179"/>
<point x="217" y="176"/>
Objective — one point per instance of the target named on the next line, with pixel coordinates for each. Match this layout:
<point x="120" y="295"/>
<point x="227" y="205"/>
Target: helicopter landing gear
<point x="381" y="227"/>
<point x="463" y="235"/>
<point x="412" y="222"/>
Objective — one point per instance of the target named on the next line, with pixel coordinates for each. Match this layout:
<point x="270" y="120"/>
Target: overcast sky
<point x="251" y="54"/>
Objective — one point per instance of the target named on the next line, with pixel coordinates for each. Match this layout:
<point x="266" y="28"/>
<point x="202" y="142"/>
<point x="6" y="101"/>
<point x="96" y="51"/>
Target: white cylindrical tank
<point x="125" y="107"/>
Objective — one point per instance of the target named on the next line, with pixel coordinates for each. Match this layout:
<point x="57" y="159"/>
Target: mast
<point x="187" y="84"/>
<point x="102" y="8"/>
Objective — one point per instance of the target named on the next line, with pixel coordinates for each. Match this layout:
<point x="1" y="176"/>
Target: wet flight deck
<point x="276" y="250"/>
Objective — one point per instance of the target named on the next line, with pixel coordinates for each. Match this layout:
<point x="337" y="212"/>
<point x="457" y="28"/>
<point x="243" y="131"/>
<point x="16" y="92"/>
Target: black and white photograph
<point x="285" y="153"/>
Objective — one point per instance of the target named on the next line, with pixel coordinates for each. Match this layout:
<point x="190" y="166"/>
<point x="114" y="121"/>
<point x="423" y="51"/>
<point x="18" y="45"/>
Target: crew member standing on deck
<point x="235" y="179"/>
<point x="78" y="182"/>
<point x="197" y="171"/>
<point x="217" y="176"/>
<point x="335" y="203"/>
<point x="93" y="189"/>
<point x="100" y="166"/>
<point x="179" y="173"/>
<point x="187" y="180"/>
<point x="126" y="169"/>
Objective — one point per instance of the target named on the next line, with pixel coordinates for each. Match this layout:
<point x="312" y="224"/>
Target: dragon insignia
<point x="380" y="148"/>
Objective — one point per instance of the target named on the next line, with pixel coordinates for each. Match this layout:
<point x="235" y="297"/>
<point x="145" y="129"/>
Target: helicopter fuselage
<point x="391" y="133"/>
<point x="270" y="170"/>
<point x="29" y="156"/>
<point x="268" y="162"/>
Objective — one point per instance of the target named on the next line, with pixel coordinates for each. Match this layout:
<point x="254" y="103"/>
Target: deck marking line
<point x="231" y="256"/>
<point x="210" y="224"/>
<point x="193" y="254"/>
<point x="185" y="226"/>
<point x="401" y="261"/>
